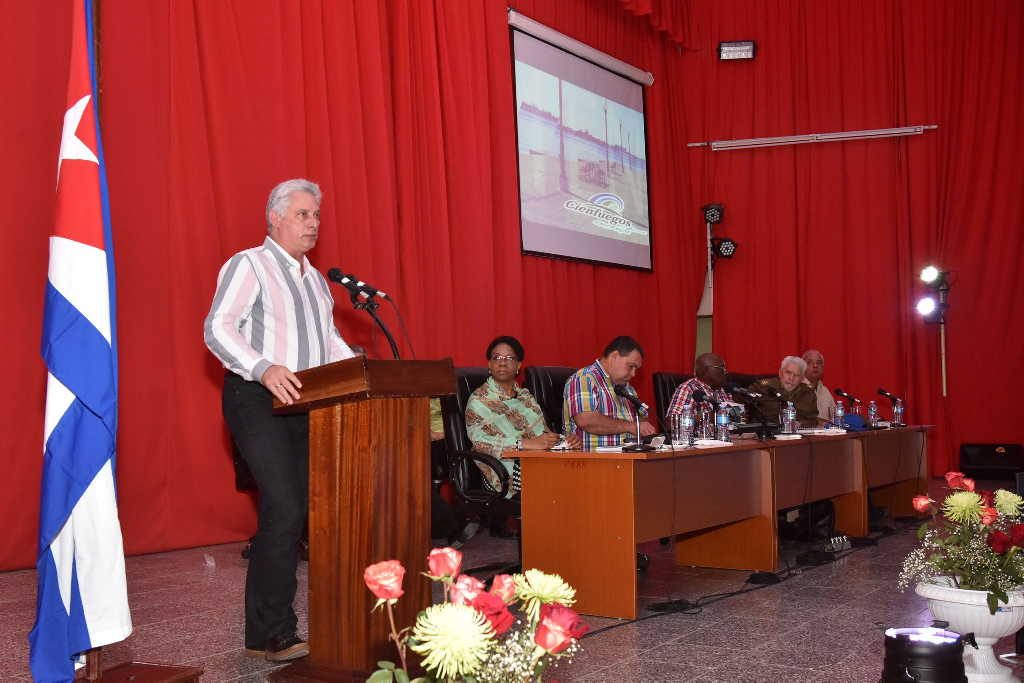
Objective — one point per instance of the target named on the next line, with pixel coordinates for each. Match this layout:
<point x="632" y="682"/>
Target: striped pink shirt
<point x="266" y="311"/>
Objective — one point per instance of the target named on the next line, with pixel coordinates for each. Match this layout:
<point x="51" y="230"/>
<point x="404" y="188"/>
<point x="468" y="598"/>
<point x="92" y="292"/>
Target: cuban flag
<point x="82" y="600"/>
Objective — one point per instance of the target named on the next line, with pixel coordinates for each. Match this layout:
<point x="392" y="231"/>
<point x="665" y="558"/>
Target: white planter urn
<point x="966" y="611"/>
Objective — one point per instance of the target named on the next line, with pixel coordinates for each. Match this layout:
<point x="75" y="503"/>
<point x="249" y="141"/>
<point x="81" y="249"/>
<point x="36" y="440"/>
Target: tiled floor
<point x="821" y="624"/>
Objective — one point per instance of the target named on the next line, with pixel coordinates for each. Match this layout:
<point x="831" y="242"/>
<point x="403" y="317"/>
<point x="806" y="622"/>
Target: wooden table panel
<point x="578" y="523"/>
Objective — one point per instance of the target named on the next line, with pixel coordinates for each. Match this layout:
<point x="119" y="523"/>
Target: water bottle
<point x="682" y="426"/>
<point x="897" y="413"/>
<point x="722" y="424"/>
<point x="840" y="415"/>
<point x="707" y="422"/>
<point x="686" y="422"/>
<point x="789" y="421"/>
<point x="872" y="414"/>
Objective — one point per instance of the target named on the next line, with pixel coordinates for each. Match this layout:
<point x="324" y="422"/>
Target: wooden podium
<point x="369" y="500"/>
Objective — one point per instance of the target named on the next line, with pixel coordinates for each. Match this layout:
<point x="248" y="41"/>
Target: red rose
<point x="444" y="562"/>
<point x="968" y="484"/>
<point x="1017" y="535"/>
<point x="988" y="515"/>
<point x="999" y="542"/>
<point x="505" y="587"/>
<point x="464" y="590"/>
<point x="986" y="498"/>
<point x="955" y="480"/>
<point x="494" y="610"/>
<point x="558" y="627"/>
<point x="922" y="503"/>
<point x="384" y="579"/>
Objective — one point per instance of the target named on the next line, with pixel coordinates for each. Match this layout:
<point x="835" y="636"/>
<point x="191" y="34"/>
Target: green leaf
<point x="384" y="664"/>
<point x="992" y="603"/>
<point x="380" y="676"/>
<point x="421" y="679"/>
<point x="401" y="676"/>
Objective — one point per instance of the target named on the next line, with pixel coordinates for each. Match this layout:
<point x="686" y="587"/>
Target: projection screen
<point x="582" y="152"/>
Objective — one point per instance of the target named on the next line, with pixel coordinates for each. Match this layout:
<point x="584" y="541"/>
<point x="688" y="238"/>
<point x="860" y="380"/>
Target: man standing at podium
<point x="271" y="317"/>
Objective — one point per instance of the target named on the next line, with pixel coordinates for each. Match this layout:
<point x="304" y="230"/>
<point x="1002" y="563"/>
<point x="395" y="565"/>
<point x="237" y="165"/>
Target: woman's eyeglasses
<point x="509" y="359"/>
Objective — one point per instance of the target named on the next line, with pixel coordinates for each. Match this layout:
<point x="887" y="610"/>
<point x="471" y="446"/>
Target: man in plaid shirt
<point x="590" y="406"/>
<point x="710" y="376"/>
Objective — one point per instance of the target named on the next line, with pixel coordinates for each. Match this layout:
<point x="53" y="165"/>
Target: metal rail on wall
<point x="755" y="143"/>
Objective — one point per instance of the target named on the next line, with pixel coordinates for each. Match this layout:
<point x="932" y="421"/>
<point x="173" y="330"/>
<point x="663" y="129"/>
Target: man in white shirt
<point x="812" y="378"/>
<point x="272" y="315"/>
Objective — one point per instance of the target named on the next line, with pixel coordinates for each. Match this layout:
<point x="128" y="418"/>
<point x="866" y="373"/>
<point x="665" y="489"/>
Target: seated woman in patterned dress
<point x="502" y="415"/>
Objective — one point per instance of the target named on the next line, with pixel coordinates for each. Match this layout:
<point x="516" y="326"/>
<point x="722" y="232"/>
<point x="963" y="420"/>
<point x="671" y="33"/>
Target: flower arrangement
<point x="509" y="634"/>
<point x="974" y="540"/>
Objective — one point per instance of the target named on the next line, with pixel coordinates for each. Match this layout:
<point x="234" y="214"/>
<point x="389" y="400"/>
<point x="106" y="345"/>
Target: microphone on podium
<point x="354" y="285"/>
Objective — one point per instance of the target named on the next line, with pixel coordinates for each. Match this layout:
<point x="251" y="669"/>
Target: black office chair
<point x="745" y="379"/>
<point x="665" y="385"/>
<point x="546" y="383"/>
<point x="479" y="502"/>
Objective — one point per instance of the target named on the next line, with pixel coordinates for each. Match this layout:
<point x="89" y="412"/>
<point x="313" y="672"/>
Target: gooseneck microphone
<point x="891" y="397"/>
<point x="839" y="392"/>
<point x="641" y="407"/>
<point x="734" y="388"/>
<point x="355" y="285"/>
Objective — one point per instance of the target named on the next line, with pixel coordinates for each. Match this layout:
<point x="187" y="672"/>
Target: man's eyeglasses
<point x="510" y="359"/>
<point x="720" y="367"/>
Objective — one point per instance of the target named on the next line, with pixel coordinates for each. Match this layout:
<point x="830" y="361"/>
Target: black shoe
<point x="286" y="647"/>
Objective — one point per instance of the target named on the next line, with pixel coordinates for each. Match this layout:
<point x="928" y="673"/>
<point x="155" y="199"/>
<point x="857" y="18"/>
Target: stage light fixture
<point x="723" y="247"/>
<point x="736" y="49"/>
<point x="713" y="213"/>
<point x="923" y="654"/>
<point x="926" y="305"/>
<point x="933" y="277"/>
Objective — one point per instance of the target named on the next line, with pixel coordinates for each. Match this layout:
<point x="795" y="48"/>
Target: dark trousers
<point x="276" y="448"/>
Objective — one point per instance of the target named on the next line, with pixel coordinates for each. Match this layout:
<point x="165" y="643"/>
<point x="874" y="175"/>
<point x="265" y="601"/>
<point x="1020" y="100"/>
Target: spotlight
<point x="723" y="247"/>
<point x="933" y="277"/>
<point x="713" y="213"/>
<point x="932" y="310"/>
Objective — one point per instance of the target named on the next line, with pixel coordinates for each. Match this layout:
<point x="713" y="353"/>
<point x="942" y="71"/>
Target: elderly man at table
<point x="709" y="377"/>
<point x="591" y="407"/>
<point x="812" y="378"/>
<point x="790" y="385"/>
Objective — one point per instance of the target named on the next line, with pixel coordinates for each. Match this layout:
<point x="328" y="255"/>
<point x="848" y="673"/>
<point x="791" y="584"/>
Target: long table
<point x="584" y="512"/>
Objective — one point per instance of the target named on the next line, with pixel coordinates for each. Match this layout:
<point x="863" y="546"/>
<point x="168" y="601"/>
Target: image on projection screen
<point x="582" y="158"/>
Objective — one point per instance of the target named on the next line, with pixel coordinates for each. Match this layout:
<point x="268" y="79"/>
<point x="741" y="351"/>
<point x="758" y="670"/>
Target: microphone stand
<point x="640" y="446"/>
<point x="371" y="306"/>
<point x="764" y="433"/>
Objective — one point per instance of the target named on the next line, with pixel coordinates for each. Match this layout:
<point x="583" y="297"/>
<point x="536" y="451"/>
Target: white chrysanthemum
<point x="453" y="638"/>
<point x="535" y="588"/>
<point x="1008" y="503"/>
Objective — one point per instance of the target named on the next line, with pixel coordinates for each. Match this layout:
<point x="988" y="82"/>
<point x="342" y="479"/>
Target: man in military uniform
<point x="790" y="384"/>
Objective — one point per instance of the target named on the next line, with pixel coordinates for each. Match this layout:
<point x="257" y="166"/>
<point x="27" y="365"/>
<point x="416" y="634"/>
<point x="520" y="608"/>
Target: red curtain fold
<point x="404" y="112"/>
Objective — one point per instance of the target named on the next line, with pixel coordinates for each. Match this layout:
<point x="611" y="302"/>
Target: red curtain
<point x="403" y="112"/>
<point x="833" y="235"/>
